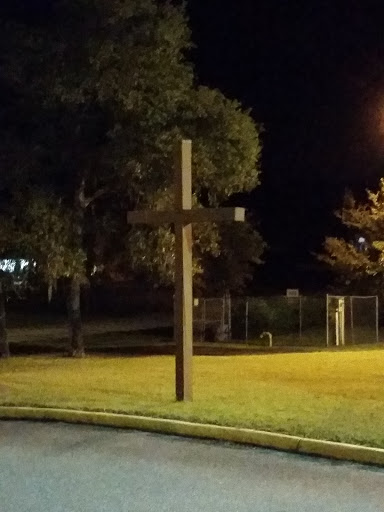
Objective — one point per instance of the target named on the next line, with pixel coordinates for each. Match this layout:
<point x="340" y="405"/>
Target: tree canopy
<point x="362" y="253"/>
<point x="112" y="91"/>
<point x="96" y="93"/>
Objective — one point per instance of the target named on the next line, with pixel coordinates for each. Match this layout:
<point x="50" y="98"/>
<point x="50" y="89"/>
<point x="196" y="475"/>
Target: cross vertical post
<point x="183" y="305"/>
<point x="182" y="217"/>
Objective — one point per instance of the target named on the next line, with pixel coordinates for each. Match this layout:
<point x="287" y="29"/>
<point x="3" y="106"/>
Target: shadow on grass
<point x="161" y="348"/>
<point x="145" y="341"/>
<point x="158" y="341"/>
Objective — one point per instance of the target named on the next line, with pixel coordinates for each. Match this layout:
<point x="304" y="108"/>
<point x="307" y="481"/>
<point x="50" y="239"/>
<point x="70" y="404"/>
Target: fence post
<point x="300" y="319"/>
<point x="224" y="302"/>
<point x="352" y="328"/>
<point x="203" y="320"/>
<point x="377" y="319"/>
<point x="327" y="321"/>
<point x="246" y="319"/>
<point x="229" y="304"/>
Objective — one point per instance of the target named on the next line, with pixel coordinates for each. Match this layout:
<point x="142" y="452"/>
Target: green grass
<point x="330" y="395"/>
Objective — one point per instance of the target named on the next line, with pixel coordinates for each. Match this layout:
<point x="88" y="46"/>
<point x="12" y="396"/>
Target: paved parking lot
<point x="57" y="467"/>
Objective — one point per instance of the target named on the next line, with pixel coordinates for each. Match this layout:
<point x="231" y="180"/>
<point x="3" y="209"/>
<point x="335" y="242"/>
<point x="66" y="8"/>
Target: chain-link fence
<point x="212" y="319"/>
<point x="285" y="321"/>
<point x="352" y="319"/>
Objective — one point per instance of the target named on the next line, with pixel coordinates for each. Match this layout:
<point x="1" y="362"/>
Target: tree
<point x="363" y="254"/>
<point x="10" y="271"/>
<point x="7" y="286"/>
<point x="4" y="345"/>
<point x="241" y="248"/>
<point x="6" y="282"/>
<point x="38" y="229"/>
<point x="45" y="236"/>
<point x="111" y="92"/>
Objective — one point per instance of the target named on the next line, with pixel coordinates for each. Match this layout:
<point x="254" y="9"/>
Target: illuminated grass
<point x="331" y="395"/>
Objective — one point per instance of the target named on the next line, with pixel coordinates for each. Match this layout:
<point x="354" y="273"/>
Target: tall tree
<point x="38" y="229"/>
<point x="4" y="345"/>
<point x="362" y="254"/>
<point x="45" y="235"/>
<point x="111" y="91"/>
<point x="6" y="281"/>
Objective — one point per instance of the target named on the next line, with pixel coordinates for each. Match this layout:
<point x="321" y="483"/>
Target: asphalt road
<point x="52" y="467"/>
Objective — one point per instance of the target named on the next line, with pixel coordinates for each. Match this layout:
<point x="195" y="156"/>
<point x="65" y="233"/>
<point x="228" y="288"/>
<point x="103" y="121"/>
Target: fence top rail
<point x="271" y="297"/>
<point x="351" y="296"/>
<point x="363" y="296"/>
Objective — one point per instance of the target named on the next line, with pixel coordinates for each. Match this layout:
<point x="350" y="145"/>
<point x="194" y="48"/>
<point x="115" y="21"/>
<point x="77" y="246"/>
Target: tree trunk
<point x="74" y="316"/>
<point x="4" y="346"/>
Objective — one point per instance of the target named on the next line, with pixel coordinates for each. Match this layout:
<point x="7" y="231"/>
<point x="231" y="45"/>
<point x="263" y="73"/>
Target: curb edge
<point x="283" y="442"/>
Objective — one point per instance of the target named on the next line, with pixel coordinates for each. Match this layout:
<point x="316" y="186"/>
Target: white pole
<point x="352" y="326"/>
<point x="342" y="321"/>
<point x="337" y="326"/>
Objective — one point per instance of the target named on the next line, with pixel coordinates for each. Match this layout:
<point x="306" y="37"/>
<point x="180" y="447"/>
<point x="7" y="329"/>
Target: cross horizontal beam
<point x="197" y="215"/>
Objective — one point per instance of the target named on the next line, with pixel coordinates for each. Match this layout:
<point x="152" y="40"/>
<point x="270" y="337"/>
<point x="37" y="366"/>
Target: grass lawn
<point x="330" y="395"/>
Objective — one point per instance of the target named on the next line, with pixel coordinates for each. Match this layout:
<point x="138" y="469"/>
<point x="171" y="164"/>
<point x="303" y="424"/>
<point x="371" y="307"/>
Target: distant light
<point x="13" y="265"/>
<point x="361" y="240"/>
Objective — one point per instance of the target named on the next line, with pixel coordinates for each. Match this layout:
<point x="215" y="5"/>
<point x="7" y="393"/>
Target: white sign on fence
<point x="293" y="292"/>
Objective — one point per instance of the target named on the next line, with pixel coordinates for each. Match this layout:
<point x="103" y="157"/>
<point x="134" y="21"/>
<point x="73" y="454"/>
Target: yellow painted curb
<point x="342" y="451"/>
<point x="304" y="446"/>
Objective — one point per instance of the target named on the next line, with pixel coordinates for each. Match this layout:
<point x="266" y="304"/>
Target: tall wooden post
<point x="183" y="306"/>
<point x="182" y="218"/>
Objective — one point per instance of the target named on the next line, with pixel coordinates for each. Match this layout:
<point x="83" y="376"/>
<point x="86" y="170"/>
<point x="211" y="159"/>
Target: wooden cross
<point x="182" y="217"/>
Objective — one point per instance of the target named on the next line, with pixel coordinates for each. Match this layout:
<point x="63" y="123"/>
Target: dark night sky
<point x="313" y="74"/>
